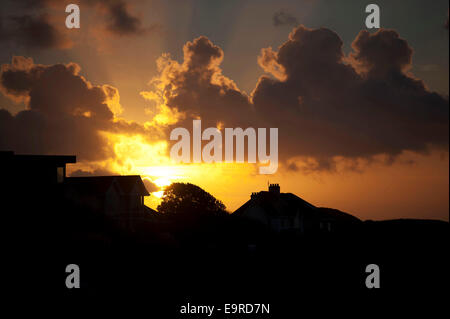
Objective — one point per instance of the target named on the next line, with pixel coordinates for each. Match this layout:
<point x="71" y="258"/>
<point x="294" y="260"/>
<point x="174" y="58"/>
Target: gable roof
<point x="101" y="184"/>
<point x="282" y="204"/>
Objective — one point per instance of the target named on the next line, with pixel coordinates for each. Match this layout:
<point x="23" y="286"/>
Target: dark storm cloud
<point x="119" y="18"/>
<point x="325" y="104"/>
<point x="121" y="21"/>
<point x="372" y="57"/>
<point x="363" y="108"/>
<point x="281" y="18"/>
<point x="65" y="113"/>
<point x="33" y="31"/>
<point x="198" y="87"/>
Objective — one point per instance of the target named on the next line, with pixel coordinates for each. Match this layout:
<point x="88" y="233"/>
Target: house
<point x="118" y="197"/>
<point x="48" y="189"/>
<point x="31" y="188"/>
<point x="282" y="212"/>
<point x="30" y="182"/>
<point x="42" y="170"/>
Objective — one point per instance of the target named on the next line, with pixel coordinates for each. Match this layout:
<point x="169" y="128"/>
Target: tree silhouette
<point x="189" y="200"/>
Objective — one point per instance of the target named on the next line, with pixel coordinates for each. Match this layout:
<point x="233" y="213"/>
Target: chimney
<point x="274" y="189"/>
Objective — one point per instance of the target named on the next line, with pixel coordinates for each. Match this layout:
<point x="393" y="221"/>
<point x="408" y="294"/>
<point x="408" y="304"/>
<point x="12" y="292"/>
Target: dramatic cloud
<point x="357" y="109"/>
<point x="327" y="106"/>
<point x="372" y="57"/>
<point x="121" y="21"/>
<point x="197" y="87"/>
<point x="65" y="113"/>
<point x="34" y="31"/>
<point x="281" y="18"/>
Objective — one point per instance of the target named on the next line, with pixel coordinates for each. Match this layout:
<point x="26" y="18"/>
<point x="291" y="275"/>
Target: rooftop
<point x="276" y="203"/>
<point x="100" y="184"/>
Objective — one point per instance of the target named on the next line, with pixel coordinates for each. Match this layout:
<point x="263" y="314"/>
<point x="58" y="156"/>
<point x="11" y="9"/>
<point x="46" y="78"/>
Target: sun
<point x="158" y="194"/>
<point x="163" y="182"/>
<point x="161" y="176"/>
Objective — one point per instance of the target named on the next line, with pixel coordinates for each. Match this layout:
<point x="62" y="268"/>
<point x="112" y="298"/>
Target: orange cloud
<point x="65" y="113"/>
<point x="328" y="107"/>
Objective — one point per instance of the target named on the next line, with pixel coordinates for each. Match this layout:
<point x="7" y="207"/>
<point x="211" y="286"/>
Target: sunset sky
<point x="362" y="114"/>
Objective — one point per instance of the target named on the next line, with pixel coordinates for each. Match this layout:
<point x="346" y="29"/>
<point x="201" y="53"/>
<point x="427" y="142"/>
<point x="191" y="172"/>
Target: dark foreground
<point x="165" y="264"/>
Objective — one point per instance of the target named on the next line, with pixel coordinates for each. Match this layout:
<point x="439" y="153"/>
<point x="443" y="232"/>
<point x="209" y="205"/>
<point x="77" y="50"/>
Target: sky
<point x="362" y="114"/>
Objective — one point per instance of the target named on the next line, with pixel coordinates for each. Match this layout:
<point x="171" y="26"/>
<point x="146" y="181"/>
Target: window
<point x="59" y="175"/>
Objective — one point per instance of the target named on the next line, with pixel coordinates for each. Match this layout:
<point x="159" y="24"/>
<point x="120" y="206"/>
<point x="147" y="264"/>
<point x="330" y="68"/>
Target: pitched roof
<point x="100" y="184"/>
<point x="283" y="204"/>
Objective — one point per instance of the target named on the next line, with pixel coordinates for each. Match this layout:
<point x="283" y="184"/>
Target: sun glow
<point x="158" y="194"/>
<point x="163" y="182"/>
<point x="137" y="155"/>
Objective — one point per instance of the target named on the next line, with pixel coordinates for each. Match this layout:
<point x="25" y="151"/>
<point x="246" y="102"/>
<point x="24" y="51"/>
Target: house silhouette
<point x="32" y="183"/>
<point x="282" y="212"/>
<point x="43" y="170"/>
<point x="120" y="198"/>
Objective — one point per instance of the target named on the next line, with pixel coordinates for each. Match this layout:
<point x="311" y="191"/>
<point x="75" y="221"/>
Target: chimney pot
<point x="274" y="188"/>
